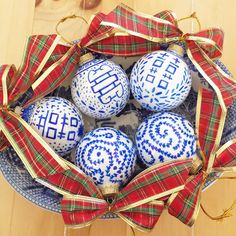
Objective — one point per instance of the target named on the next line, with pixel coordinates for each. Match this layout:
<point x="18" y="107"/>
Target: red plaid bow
<point x="46" y="65"/>
<point x="145" y="33"/>
<point x="185" y="204"/>
<point x="136" y="203"/>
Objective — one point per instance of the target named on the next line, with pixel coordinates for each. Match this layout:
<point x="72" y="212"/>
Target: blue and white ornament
<point x="163" y="137"/>
<point x="161" y="80"/>
<point x="58" y="121"/>
<point x="108" y="156"/>
<point x="100" y="88"/>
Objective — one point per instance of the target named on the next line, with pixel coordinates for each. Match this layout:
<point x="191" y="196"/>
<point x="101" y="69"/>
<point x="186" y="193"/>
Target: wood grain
<point x="19" y="217"/>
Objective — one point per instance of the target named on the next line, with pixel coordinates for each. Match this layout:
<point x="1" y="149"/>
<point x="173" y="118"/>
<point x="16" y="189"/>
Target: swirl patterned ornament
<point x="163" y="137"/>
<point x="100" y="88"/>
<point x="108" y="156"/>
<point x="58" y="121"/>
<point x="161" y="80"/>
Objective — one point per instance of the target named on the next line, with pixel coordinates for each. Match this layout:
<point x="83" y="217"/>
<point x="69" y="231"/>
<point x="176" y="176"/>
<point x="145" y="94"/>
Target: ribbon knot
<point x="183" y="37"/>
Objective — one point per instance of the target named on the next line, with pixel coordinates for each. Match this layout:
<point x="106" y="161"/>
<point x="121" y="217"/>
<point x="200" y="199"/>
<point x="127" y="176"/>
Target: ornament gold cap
<point x="196" y="166"/>
<point x="85" y="58"/>
<point x="177" y="49"/>
<point x="109" y="190"/>
<point x="18" y="110"/>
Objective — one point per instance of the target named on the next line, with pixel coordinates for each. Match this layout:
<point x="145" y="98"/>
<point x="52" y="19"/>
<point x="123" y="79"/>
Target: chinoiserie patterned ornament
<point x="100" y="88"/>
<point x="165" y="136"/>
<point x="58" y="121"/>
<point x="161" y="80"/>
<point x="108" y="156"/>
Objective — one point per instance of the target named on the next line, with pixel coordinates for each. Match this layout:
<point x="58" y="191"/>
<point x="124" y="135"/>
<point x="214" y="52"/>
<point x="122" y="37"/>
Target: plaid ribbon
<point x="45" y="66"/>
<point x="47" y="63"/>
<point x="202" y="48"/>
<point x="185" y="205"/>
<point x="136" y="203"/>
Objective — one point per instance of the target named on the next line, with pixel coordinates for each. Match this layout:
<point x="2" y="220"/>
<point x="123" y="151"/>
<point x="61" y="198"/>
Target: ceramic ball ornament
<point x="100" y="88"/>
<point x="161" y="80"/>
<point x="164" y="137"/>
<point x="58" y="121"/>
<point x="108" y="156"/>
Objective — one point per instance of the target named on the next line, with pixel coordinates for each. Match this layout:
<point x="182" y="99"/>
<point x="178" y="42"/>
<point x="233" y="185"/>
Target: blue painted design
<point x="162" y="84"/>
<point x="167" y="81"/>
<point x="150" y="78"/>
<point x="58" y="121"/>
<point x="51" y="133"/>
<point x="15" y="173"/>
<point x="107" y="156"/>
<point x="100" y="88"/>
<point x="165" y="136"/>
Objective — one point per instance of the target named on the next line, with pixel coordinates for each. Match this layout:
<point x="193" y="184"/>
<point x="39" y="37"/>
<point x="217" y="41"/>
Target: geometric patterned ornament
<point x="58" y="121"/>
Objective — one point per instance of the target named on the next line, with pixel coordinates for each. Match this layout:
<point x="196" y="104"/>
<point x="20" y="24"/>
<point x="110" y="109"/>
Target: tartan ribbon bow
<point x="47" y="63"/>
<point x="185" y="204"/>
<point x="140" y="203"/>
<point x="131" y="33"/>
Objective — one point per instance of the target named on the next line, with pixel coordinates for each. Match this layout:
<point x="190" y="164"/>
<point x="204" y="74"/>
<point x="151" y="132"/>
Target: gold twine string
<point x="226" y="212"/>
<point x="132" y="229"/>
<point x="65" y="19"/>
<point x="65" y="231"/>
<point x="192" y="16"/>
<point x="89" y="231"/>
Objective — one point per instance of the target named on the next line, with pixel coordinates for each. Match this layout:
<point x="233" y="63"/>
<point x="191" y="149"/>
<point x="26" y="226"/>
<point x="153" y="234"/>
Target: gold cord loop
<point x="192" y="16"/>
<point x="65" y="231"/>
<point x="65" y="19"/>
<point x="226" y="213"/>
<point x="89" y="230"/>
<point x="132" y="229"/>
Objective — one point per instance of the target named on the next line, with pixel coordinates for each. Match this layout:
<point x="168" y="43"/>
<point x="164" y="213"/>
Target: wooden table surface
<point x="18" y="19"/>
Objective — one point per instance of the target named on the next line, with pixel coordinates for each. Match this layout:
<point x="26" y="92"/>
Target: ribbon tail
<point x="143" y="217"/>
<point x="3" y="142"/>
<point x="225" y="160"/>
<point x="186" y="204"/>
<point x="79" y="211"/>
<point x="210" y="119"/>
<point x="96" y="31"/>
<point x="41" y="161"/>
<point x="153" y="183"/>
<point x="54" y="75"/>
<point x="224" y="87"/>
<point x="37" y="51"/>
